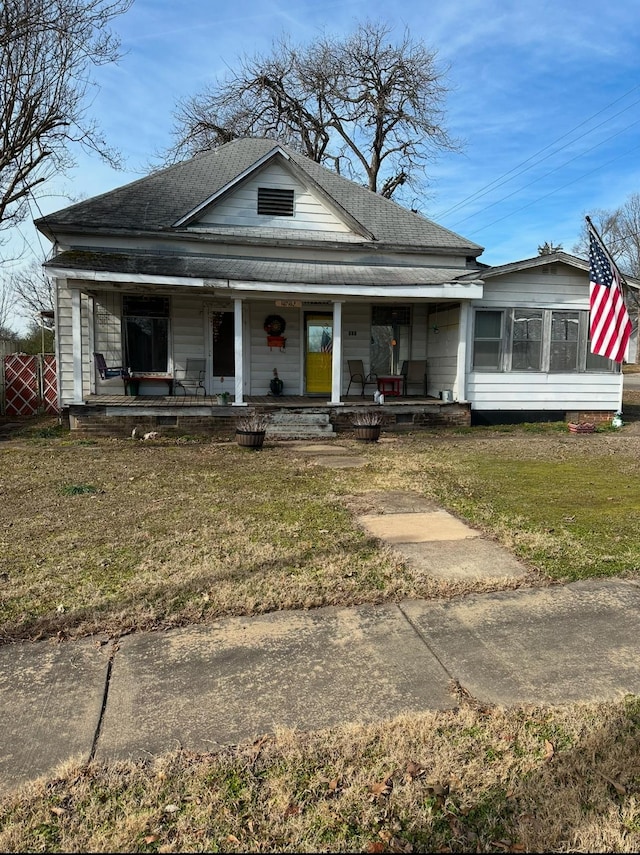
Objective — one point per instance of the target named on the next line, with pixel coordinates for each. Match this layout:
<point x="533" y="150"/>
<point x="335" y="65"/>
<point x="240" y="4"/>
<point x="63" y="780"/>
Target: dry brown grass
<point x="117" y="535"/>
<point x="521" y="780"/>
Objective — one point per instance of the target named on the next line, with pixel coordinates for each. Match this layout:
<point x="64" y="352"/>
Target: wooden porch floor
<point x="279" y="402"/>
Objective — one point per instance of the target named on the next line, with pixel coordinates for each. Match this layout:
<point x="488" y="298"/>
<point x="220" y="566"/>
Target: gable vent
<point x="275" y="202"/>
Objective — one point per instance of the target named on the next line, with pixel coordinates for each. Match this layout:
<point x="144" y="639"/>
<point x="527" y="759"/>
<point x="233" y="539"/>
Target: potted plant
<point x="367" y="425"/>
<point x="222" y="396"/>
<point x="250" y="430"/>
<point x="276" y="385"/>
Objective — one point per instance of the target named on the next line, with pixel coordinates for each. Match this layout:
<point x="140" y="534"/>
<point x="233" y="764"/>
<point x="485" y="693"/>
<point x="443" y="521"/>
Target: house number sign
<point x="289" y="304"/>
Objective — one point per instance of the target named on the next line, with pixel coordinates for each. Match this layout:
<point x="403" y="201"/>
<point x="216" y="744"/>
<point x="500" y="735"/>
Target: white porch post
<point x="238" y="353"/>
<point x="461" y="367"/>
<point x="76" y="339"/>
<point x="336" y="356"/>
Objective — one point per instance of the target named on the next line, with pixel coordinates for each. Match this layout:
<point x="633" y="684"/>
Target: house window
<point x="146" y="333"/>
<point x="526" y="353"/>
<point x="563" y="354"/>
<point x="487" y="340"/>
<point x="224" y="364"/>
<point x="390" y="338"/>
<point x="275" y="202"/>
<point x="534" y="340"/>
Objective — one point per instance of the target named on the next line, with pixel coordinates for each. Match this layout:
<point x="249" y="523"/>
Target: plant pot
<point x="581" y="427"/>
<point x="276" y="386"/>
<point x="250" y="438"/>
<point x="367" y="433"/>
<point x="223" y="400"/>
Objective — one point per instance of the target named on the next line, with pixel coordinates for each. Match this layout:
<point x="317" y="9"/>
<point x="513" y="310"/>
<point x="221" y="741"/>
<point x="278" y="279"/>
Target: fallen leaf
<point x="151" y="838"/>
<point x="293" y="810"/>
<point x="375" y="847"/>
<point x="58" y="811"/>
<point x="414" y="770"/>
<point x="172" y="808"/>
<point x="549" y="750"/>
<point x="382" y="788"/>
<point x="231" y="838"/>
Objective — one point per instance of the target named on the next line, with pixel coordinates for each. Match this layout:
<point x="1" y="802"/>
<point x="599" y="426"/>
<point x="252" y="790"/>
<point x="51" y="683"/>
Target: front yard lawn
<point x="111" y="535"/>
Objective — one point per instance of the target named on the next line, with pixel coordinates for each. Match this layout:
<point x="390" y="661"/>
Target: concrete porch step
<point x="291" y="425"/>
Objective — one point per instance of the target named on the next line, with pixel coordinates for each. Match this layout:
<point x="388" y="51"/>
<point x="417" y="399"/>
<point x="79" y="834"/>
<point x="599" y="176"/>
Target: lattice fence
<point x="30" y="384"/>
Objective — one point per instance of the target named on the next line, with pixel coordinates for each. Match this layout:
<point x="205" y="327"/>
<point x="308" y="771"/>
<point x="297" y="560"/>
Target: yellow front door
<point x="319" y="347"/>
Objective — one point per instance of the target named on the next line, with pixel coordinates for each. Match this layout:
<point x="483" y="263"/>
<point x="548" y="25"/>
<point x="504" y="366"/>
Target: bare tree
<point x="47" y="49"/>
<point x="620" y="232"/>
<point x="365" y="106"/>
<point x="32" y="291"/>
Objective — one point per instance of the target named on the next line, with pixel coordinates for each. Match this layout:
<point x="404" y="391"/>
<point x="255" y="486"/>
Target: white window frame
<point x="506" y="342"/>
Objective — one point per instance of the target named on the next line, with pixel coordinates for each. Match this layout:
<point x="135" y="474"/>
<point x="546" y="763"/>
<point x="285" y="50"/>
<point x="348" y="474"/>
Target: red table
<point x="390" y="384"/>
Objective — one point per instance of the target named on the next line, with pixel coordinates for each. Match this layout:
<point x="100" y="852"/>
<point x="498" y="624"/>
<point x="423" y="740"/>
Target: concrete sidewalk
<point x="207" y="686"/>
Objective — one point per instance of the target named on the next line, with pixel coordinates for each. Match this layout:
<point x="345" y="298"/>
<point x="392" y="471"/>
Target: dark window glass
<point x="146" y="333"/>
<point x="224" y="364"/>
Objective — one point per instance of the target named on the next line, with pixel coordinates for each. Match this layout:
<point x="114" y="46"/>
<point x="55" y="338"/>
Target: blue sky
<point x="545" y="96"/>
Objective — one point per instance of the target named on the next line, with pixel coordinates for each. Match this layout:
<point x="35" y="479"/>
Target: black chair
<point x="109" y="372"/>
<point x="414" y="372"/>
<point x="357" y="375"/>
<point x="191" y="380"/>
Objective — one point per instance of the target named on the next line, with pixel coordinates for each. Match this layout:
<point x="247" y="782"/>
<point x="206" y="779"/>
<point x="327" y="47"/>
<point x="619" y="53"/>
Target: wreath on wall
<point x="274" y="325"/>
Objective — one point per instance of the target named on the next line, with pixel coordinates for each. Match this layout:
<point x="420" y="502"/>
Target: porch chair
<point x="414" y="372"/>
<point x="357" y="375"/>
<point x="109" y="372"/>
<point x="192" y="378"/>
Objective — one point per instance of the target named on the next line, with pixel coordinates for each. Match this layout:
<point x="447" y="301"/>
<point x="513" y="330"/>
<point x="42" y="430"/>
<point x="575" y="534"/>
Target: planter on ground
<point x="367" y="433"/>
<point x="250" y="438"/>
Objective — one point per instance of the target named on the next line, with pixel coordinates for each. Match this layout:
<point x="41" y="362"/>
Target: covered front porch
<point x="292" y="416"/>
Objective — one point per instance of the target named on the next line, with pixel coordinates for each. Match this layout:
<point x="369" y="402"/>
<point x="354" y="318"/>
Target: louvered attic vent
<point x="274" y="202"/>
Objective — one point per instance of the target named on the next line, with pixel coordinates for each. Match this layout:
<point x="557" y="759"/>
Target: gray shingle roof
<point x="156" y="202"/>
<point x="253" y="269"/>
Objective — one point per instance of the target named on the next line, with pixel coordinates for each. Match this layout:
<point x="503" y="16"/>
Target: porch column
<point x="76" y="340"/>
<point x="238" y="349"/>
<point x="461" y="367"/>
<point x="336" y="356"/>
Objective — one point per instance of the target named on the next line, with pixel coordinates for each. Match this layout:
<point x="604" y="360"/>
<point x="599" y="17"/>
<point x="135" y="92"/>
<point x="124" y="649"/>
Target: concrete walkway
<point x="203" y="687"/>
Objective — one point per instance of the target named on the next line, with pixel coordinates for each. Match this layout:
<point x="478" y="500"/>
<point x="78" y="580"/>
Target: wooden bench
<point x="132" y="383"/>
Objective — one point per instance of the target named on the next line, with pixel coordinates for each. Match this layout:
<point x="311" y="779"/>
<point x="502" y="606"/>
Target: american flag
<point x="610" y="326"/>
<point x="326" y="342"/>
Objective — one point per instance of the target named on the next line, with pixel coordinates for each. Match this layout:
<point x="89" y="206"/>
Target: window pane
<point x="146" y="333"/>
<point x="527" y="340"/>
<point x="486" y="354"/>
<point x="224" y="361"/>
<point x="487" y="339"/>
<point x="597" y="363"/>
<point x="146" y="343"/>
<point x="488" y="324"/>
<point x="564" y="341"/>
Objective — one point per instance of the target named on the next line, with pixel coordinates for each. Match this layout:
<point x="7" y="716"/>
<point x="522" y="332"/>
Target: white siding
<point x="264" y="359"/>
<point x="241" y="206"/>
<point x="65" y="342"/>
<point x="519" y="391"/>
<point x="442" y="349"/>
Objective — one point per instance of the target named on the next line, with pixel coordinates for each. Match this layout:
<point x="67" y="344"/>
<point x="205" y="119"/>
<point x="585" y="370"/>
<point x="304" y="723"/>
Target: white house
<point x="253" y="258"/>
